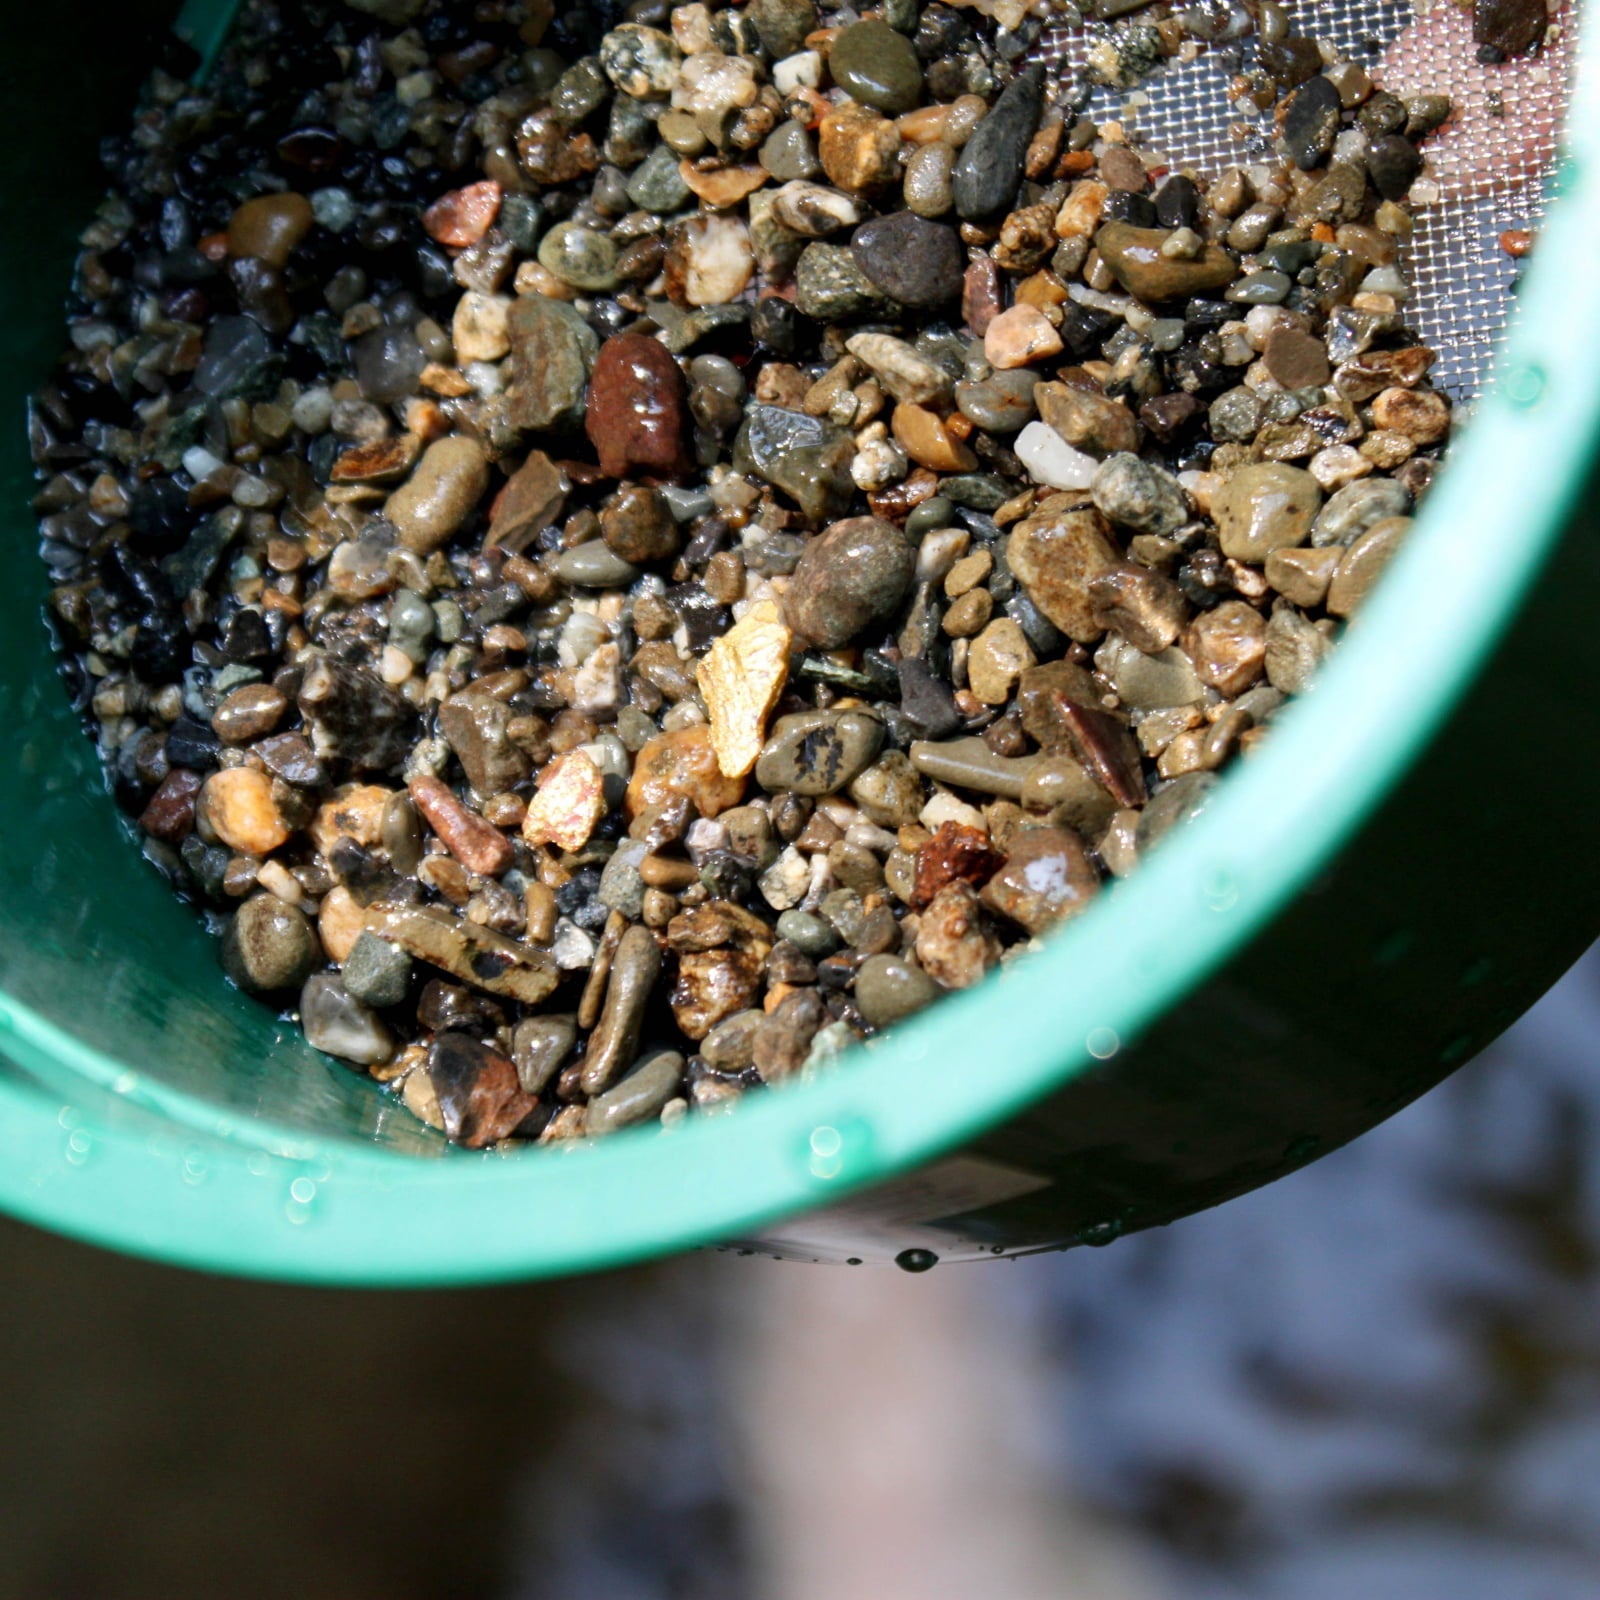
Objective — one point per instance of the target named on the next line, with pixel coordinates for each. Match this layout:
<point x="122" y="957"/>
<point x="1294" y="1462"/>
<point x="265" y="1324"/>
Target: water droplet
<point x="69" y="1117"/>
<point x="196" y="1165"/>
<point x="838" y="1149"/>
<point x="1101" y="1233"/>
<point x="1524" y="385"/>
<point x="125" y="1083"/>
<point x="916" y="1260"/>
<point x="853" y="1261"/>
<point x="1219" y="889"/>
<point x="1102" y="1043"/>
<point x="258" y="1163"/>
<point x="303" y="1190"/>
<point x="79" y="1147"/>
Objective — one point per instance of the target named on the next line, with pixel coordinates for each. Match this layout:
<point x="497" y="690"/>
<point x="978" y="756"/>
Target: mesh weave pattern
<point x="1462" y="278"/>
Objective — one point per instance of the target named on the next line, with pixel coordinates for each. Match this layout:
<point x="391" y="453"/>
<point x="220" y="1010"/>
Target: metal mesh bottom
<point x="1462" y="278"/>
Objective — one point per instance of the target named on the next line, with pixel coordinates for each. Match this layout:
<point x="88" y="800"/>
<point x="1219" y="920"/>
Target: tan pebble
<point x="968" y="616"/>
<point x="237" y="805"/>
<point x="568" y="805"/>
<point x="534" y="277"/>
<point x="1228" y="646"/>
<point x="925" y="125"/>
<point x="682" y="762"/>
<point x="725" y="187"/>
<point x="269" y="227"/>
<point x="968" y="573"/>
<point x="340" y="922"/>
<point x="441" y="494"/>
<point x="858" y="148"/>
<point x="462" y="217"/>
<point x="1080" y="212"/>
<point x="998" y="658"/>
<point x="1361" y="563"/>
<point x="740" y="679"/>
<point x="355" y="812"/>
<point x="954" y="944"/>
<point x="478" y="328"/>
<point x="1422" y="415"/>
<point x="925" y="438"/>
<point x="1019" y="336"/>
<point x="1303" y="575"/>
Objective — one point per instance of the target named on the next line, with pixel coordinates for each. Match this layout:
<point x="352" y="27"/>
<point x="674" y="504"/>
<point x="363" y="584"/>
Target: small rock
<point x="462" y="217"/>
<point x="1296" y="360"/>
<point x="533" y="498"/>
<point x="1510" y="28"/>
<point x="353" y="716"/>
<point x="990" y="166"/>
<point x="830" y="286"/>
<point x="478" y="329"/>
<point x="335" y="1022"/>
<point x="1227" y="645"/>
<point x="915" y="262"/>
<point x="859" y="149"/>
<point x="1311" y="122"/>
<point x="1138" y="494"/>
<point x="474" y="955"/>
<point x="657" y="182"/>
<point x="580" y="256"/>
<point x="1349" y="513"/>
<point x="443" y="491"/>
<point x="236" y="805"/>
<point x="1055" y="557"/>
<point x="640" y="61"/>
<point x="476" y="727"/>
<point x="782" y="25"/>
<point x="889" y="792"/>
<point x="800" y="454"/>
<point x="539" y="1045"/>
<point x="569" y="803"/>
<point x="1363" y="562"/>
<point x="741" y="679"/>
<point x="1264" y="506"/>
<point x="1145" y="607"/>
<point x="926" y="185"/>
<point x="854" y="574"/>
<point x="637" y="408"/>
<point x="722" y="954"/>
<point x="782" y="1040"/>
<point x="637" y="524"/>
<point x="270" y="227"/>
<point x="715" y="260"/>
<point x="905" y="374"/>
<point x="683" y="762"/>
<point x="481" y="1099"/>
<point x="1134" y="258"/>
<point x="1154" y="681"/>
<point x="552" y="350"/>
<point x="927" y="439"/>
<point x="473" y="840"/>
<point x="890" y="988"/>
<point x="954" y="945"/>
<point x="1086" y="420"/>
<point x="1000" y="403"/>
<point x="1047" y="878"/>
<point x="877" y="66"/>
<point x="1022" y="335"/>
<point x="375" y="972"/>
<point x="594" y="565"/>
<point x="1050" y="460"/>
<point x="998" y="658"/>
<point x="248" y="712"/>
<point x="1179" y="802"/>
<point x="269" y="945"/>
<point x="818" y="752"/>
<point x="639" y="1097"/>
<point x="1303" y="575"/>
<point x="1394" y="163"/>
<point x="813" y="210"/>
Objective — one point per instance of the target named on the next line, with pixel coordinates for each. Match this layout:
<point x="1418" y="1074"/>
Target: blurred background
<point x="1379" y="1378"/>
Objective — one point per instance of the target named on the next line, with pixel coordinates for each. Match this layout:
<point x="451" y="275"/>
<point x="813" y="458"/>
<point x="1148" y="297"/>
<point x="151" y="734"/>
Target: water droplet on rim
<point x="916" y="1260"/>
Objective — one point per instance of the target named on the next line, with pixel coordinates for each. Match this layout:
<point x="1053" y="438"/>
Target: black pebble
<point x="1393" y="164"/>
<point x="1311" y="122"/>
<point x="1138" y="209"/>
<point x="1177" y="202"/>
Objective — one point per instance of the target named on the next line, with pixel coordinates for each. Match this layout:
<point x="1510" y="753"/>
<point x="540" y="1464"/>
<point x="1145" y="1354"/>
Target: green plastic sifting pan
<point x="1362" y="906"/>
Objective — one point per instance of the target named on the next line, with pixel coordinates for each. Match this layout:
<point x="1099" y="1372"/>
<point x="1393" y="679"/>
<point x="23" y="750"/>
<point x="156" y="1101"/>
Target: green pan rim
<point x="220" y="1192"/>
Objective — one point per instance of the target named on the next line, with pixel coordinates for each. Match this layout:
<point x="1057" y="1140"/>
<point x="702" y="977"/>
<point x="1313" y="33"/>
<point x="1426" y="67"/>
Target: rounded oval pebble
<point x="269" y="227"/>
<point x="850" y="576"/>
<point x="818" y="752"/>
<point x="1264" y="506"/>
<point x="269" y="945"/>
<point x="579" y="256"/>
<point x="889" y="988"/>
<point x="638" y="403"/>
<point x="915" y="261"/>
<point x="440" y="494"/>
<point x="237" y="805"/>
<point x="877" y="66"/>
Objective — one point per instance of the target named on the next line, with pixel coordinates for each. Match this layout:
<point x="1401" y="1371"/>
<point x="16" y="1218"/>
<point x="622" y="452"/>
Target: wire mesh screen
<point x="1487" y="171"/>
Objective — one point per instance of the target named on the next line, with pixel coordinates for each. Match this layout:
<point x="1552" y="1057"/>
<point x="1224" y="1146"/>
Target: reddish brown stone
<point x="169" y="813"/>
<point x="956" y="852"/>
<point x="463" y="216"/>
<point x="480" y="1097"/>
<point x="637" y="408"/>
<point x="478" y="845"/>
<point x="980" y="296"/>
<point x="1106" y="747"/>
<point x="378" y="462"/>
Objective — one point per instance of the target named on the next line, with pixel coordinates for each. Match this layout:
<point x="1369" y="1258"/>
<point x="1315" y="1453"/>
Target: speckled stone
<point x="831" y="286"/>
<point x="912" y="260"/>
<point x="854" y="574"/>
<point x="990" y="165"/>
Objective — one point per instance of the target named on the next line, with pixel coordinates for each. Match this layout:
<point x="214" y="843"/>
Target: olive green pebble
<point x="579" y="256"/>
<point x="891" y="987"/>
<point x="269" y="945"/>
<point x="638" y="1097"/>
<point x="934" y="512"/>
<point x="877" y="66"/>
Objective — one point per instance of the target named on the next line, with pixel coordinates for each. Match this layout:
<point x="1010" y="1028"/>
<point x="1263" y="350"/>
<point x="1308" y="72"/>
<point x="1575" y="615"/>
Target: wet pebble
<point x="1264" y="506"/>
<point x="852" y="575"/>
<point x="269" y="945"/>
<point x="337" y="1023"/>
<point x="912" y="260"/>
<point x="375" y="972"/>
<point x="889" y="988"/>
<point x="877" y="66"/>
<point x="990" y="166"/>
<point x="818" y="752"/>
